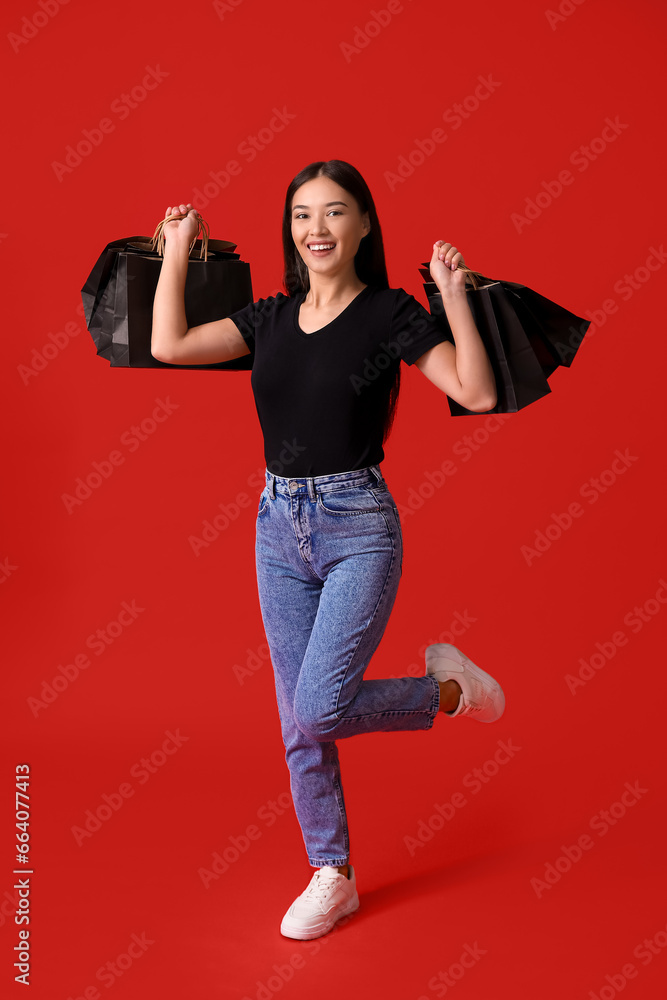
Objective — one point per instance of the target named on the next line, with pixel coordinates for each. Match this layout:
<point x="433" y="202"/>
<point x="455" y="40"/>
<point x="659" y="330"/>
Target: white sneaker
<point x="481" y="698"/>
<point x="329" y="896"/>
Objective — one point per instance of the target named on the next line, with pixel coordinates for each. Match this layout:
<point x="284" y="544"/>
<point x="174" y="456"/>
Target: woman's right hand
<point x="181" y="230"/>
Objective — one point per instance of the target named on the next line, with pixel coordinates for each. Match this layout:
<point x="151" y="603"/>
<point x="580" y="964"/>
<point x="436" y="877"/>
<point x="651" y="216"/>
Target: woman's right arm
<point x="171" y="340"/>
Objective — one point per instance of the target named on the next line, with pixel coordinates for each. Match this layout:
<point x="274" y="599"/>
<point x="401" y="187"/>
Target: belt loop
<point x="272" y="485"/>
<point x="311" y="488"/>
<point x="375" y="469"/>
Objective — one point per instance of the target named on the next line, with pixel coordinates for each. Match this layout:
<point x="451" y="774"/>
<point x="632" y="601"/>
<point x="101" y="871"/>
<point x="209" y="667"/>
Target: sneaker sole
<point x="327" y="924"/>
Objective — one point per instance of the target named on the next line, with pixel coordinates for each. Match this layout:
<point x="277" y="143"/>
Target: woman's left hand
<point x="444" y="268"/>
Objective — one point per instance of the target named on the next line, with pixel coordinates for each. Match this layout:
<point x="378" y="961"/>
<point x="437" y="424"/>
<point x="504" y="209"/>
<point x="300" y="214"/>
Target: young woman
<point x="325" y="378"/>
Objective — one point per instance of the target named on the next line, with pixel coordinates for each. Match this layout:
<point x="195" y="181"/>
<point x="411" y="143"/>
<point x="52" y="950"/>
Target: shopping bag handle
<point x="475" y="276"/>
<point x="157" y="241"/>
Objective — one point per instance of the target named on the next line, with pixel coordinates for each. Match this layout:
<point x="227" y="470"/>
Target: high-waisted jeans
<point x="329" y="557"/>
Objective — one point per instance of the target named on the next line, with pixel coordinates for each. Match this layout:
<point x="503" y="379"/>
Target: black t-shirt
<point x="322" y="397"/>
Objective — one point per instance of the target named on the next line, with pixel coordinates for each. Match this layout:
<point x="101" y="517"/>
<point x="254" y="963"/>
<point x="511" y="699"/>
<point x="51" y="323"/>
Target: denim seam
<point x="332" y="863"/>
<point x="435" y="703"/>
<point x="436" y="696"/>
<point x="340" y="799"/>
<point x="340" y="480"/>
<point x="370" y="620"/>
<point x="402" y="713"/>
<point x="301" y="556"/>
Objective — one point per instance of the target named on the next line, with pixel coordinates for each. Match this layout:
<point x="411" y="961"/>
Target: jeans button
<point x="293" y="486"/>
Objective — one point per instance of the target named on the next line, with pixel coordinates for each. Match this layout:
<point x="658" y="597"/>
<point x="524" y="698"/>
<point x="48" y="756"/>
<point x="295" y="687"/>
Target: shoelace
<point x="321" y="884"/>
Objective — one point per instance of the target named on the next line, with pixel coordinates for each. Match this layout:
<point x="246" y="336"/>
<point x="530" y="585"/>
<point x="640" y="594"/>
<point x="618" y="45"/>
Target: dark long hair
<point x="369" y="262"/>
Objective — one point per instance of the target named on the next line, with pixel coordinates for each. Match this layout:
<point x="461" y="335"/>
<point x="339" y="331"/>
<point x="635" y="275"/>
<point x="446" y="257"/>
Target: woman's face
<point x="325" y="213"/>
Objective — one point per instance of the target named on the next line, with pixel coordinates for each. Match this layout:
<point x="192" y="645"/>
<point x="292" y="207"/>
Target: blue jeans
<point x="329" y="556"/>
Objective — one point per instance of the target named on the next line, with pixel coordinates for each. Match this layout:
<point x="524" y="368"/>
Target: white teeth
<point x="321" y="246"/>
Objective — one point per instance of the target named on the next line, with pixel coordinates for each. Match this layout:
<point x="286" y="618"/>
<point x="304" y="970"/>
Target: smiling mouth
<point x="323" y="252"/>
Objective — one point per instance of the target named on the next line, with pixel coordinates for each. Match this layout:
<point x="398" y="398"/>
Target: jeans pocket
<point x="353" y="500"/>
<point x="263" y="501"/>
<point x="383" y="495"/>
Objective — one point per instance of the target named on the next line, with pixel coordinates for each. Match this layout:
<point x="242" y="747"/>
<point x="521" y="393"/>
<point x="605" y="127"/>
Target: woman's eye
<point x="302" y="214"/>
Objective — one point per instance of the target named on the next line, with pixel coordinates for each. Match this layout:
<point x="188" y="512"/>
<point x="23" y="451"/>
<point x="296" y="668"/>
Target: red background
<point x="176" y="667"/>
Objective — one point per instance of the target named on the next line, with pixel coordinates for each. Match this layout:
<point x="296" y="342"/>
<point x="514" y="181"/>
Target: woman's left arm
<point x="461" y="370"/>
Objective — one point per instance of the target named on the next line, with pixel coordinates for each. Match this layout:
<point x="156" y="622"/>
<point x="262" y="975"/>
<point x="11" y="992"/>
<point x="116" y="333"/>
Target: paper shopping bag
<point x="526" y="336"/>
<point x="119" y="291"/>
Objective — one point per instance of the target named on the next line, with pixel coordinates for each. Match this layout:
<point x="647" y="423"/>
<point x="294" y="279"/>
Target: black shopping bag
<point x="526" y="336"/>
<point x="119" y="291"/>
